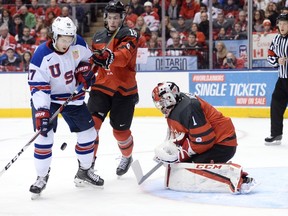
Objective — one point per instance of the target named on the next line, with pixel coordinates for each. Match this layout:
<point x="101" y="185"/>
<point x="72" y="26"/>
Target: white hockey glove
<point x="166" y="153"/>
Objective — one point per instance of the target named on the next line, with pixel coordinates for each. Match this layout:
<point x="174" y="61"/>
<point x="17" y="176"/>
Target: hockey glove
<point x="42" y="117"/>
<point x="103" y="58"/>
<point x="85" y="75"/>
<point x="166" y="153"/>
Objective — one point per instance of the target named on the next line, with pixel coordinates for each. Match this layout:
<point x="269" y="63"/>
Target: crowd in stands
<point x="24" y="25"/>
<point x="187" y="26"/>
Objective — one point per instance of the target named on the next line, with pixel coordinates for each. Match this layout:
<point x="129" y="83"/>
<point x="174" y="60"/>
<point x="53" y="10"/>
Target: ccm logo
<point x="208" y="166"/>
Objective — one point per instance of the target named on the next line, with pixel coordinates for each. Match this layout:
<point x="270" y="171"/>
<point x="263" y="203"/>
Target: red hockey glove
<point x="42" y="117"/>
<point x="103" y="58"/>
<point x="85" y="75"/>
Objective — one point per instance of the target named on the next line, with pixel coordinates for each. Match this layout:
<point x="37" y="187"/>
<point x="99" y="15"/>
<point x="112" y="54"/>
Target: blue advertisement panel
<point x="245" y="88"/>
<point x="169" y="63"/>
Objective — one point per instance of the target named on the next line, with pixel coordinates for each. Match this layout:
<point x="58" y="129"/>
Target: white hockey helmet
<point x="165" y="96"/>
<point x="63" y="26"/>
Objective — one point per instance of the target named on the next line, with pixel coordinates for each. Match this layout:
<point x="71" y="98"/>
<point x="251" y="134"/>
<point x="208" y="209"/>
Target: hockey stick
<point x="38" y="132"/>
<point x="139" y="173"/>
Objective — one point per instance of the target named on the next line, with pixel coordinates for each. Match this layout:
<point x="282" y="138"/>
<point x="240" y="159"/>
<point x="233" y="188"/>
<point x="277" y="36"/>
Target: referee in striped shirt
<point x="278" y="57"/>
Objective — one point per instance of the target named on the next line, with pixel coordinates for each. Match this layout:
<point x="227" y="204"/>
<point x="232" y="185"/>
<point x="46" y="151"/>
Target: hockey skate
<point x="248" y="185"/>
<point x="40" y="184"/>
<point x="273" y="140"/>
<point x="124" y="165"/>
<point x="87" y="177"/>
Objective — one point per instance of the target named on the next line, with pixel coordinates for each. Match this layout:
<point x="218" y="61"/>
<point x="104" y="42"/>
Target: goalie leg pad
<point x="195" y="177"/>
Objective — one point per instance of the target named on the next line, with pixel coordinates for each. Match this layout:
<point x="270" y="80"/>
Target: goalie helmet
<point x="165" y="96"/>
<point x="63" y="26"/>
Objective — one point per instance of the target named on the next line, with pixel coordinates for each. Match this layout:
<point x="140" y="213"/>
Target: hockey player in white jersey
<point x="56" y="69"/>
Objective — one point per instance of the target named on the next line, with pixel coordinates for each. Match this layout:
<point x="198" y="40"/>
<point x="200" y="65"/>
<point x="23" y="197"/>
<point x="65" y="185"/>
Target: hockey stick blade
<point x="139" y="173"/>
<point x="38" y="132"/>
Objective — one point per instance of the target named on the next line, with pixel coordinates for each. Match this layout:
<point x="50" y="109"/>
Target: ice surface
<point x="123" y="196"/>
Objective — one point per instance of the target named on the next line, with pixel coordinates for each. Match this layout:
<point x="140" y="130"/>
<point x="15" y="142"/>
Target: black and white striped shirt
<point x="277" y="49"/>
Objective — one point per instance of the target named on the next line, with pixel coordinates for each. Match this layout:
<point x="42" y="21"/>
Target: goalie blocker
<point x="201" y="177"/>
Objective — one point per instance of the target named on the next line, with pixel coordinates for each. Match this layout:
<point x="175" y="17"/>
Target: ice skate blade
<point x="274" y="143"/>
<point x="80" y="183"/>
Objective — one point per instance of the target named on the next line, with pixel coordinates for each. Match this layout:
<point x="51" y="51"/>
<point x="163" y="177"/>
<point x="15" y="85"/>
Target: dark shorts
<point x="218" y="154"/>
<point x="78" y="118"/>
<point x="121" y="108"/>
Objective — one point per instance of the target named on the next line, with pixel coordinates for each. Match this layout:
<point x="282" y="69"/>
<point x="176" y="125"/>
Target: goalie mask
<point x="63" y="26"/>
<point x="165" y="96"/>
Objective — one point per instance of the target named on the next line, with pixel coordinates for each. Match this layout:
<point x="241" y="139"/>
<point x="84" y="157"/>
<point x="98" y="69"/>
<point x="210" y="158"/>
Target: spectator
<point x="26" y="61"/>
<point x="26" y="42"/>
<point x="131" y="16"/>
<point x="36" y="9"/>
<point x="204" y="25"/>
<point x="193" y="48"/>
<point x="6" y="18"/>
<point x="222" y="22"/>
<point x="237" y="33"/>
<point x="242" y="20"/>
<point x="219" y="55"/>
<point x="181" y="27"/>
<point x="197" y="17"/>
<point x="222" y="35"/>
<point x="43" y="36"/>
<point x="143" y="31"/>
<point x="50" y="18"/>
<point x="260" y="4"/>
<point x="65" y="12"/>
<point x="173" y="10"/>
<point x="257" y="22"/>
<point x="168" y="28"/>
<point x="231" y="62"/>
<point x="15" y="9"/>
<point x="271" y="13"/>
<point x="176" y="48"/>
<point x="154" y="49"/>
<point x="53" y="7"/>
<point x="151" y="18"/>
<point x="39" y="25"/>
<point x="28" y="18"/>
<point x="157" y="8"/>
<point x="189" y="8"/>
<point x="17" y="28"/>
<point x="267" y="27"/>
<point x="200" y="37"/>
<point x="12" y="63"/>
<point x="138" y="8"/>
<point x="6" y="40"/>
<point x="230" y="9"/>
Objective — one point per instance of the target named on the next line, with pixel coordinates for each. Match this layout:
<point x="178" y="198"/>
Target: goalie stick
<point x="139" y="173"/>
<point x="38" y="132"/>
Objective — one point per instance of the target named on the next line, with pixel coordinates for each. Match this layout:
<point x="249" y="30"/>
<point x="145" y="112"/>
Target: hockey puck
<point x="63" y="146"/>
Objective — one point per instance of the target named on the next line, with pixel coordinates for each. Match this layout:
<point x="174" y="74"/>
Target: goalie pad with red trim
<point x="201" y="177"/>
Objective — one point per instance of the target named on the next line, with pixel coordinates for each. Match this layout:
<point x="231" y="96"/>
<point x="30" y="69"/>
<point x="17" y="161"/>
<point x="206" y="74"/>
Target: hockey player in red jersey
<point x="197" y="132"/>
<point x="115" y="89"/>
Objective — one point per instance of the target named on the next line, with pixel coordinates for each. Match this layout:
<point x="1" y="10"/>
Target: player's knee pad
<point x="121" y="135"/>
<point x="87" y="135"/>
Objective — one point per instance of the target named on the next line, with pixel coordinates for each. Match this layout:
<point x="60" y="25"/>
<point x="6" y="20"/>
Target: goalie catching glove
<point x="84" y="74"/>
<point x="103" y="58"/>
<point x="174" y="150"/>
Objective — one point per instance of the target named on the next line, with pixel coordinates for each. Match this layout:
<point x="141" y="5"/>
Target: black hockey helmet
<point x="282" y="17"/>
<point x="114" y="6"/>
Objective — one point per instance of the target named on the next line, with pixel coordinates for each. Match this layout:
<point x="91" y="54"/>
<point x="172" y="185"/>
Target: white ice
<point x="123" y="196"/>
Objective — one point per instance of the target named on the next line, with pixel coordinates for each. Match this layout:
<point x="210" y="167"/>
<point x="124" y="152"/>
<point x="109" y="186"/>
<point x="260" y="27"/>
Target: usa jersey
<point x="52" y="74"/>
